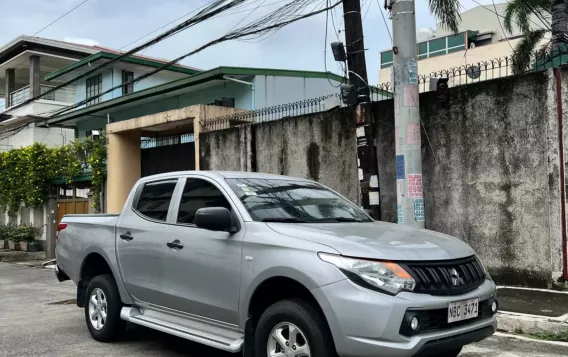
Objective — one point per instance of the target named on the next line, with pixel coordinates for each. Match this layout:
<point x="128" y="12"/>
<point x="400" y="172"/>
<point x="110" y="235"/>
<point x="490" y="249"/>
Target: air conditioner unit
<point x="93" y="133"/>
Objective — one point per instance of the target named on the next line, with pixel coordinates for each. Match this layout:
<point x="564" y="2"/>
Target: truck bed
<point x="83" y="235"/>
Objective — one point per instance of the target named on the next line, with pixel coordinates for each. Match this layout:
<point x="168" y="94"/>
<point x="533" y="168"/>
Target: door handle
<point x="126" y="236"/>
<point x="175" y="244"/>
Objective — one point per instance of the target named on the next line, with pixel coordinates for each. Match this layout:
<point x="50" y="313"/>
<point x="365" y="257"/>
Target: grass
<point x="550" y="336"/>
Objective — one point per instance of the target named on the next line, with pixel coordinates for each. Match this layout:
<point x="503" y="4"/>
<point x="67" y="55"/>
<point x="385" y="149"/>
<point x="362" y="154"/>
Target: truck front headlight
<point x="384" y="276"/>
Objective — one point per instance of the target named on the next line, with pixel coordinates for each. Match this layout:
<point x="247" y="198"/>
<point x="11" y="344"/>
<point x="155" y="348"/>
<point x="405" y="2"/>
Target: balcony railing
<point x="65" y="94"/>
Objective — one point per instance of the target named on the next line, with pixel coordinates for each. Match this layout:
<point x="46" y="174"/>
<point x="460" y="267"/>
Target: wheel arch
<point x="96" y="263"/>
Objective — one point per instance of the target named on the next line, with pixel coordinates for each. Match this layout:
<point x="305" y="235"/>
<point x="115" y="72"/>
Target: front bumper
<point x="366" y="323"/>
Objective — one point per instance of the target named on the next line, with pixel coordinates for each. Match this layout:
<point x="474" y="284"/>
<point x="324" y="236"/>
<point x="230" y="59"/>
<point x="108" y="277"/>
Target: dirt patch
<point x="63" y="302"/>
<point x="534" y="302"/>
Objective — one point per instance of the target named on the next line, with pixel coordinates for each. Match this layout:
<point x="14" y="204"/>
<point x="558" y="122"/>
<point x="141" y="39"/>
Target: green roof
<point x="110" y="56"/>
<point x="196" y="79"/>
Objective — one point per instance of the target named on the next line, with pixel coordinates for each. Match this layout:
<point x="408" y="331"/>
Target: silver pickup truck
<point x="273" y="266"/>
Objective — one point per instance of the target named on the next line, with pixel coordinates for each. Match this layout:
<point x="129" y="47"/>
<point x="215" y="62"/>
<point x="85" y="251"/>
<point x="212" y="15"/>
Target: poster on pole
<point x="399" y="191"/>
<point x="413" y="133"/>
<point x="400" y="167"/>
<point x="419" y="210"/>
<point x="399" y="210"/>
<point x="413" y="71"/>
<point x="410" y="94"/>
<point x="415" y="186"/>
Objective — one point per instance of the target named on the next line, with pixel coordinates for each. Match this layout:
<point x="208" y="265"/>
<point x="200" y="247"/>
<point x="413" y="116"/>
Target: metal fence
<point x="457" y="76"/>
<point x="149" y="143"/>
<point x="276" y="112"/>
<point x="486" y="70"/>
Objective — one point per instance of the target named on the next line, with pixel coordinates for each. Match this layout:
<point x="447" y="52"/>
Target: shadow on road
<point x="168" y="343"/>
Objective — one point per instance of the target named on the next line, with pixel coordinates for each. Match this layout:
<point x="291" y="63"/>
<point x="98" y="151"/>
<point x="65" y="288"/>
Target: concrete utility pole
<point x="366" y="149"/>
<point x="410" y="197"/>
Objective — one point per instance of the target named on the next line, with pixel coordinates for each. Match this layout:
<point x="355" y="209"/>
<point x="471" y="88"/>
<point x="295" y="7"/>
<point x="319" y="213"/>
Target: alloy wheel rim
<point x="97" y="309"/>
<point x="287" y="340"/>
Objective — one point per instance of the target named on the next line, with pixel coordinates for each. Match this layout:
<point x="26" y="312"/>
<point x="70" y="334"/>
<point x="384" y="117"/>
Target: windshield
<point x="274" y="200"/>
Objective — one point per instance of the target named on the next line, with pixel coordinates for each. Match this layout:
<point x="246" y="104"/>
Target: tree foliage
<point x="25" y="173"/>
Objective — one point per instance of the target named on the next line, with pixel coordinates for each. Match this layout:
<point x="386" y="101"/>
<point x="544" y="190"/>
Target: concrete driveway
<point x="35" y="321"/>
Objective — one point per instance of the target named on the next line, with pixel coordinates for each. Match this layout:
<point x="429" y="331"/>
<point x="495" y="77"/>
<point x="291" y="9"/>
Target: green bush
<point x="25" y="172"/>
<point x="8" y="232"/>
<point x="27" y="233"/>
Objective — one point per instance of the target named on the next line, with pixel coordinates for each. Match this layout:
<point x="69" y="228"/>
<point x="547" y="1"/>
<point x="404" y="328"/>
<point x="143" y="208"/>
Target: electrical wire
<point x="166" y="25"/>
<point x="229" y="13"/>
<point x="274" y="21"/>
<point x="501" y="25"/>
<point x="385" y="21"/>
<point x="368" y="8"/>
<point x="499" y="15"/>
<point x="537" y="13"/>
<point x="59" y="18"/>
<point x="325" y="52"/>
<point x="212" y="9"/>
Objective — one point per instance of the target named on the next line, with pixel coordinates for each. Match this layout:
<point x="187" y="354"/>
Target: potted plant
<point x="10" y="234"/>
<point x="3" y="236"/>
<point x="27" y="235"/>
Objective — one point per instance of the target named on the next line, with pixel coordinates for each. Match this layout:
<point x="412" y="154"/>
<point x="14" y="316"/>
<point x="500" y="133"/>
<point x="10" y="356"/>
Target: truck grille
<point x="451" y="277"/>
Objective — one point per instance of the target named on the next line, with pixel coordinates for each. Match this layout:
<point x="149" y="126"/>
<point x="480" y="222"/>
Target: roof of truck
<point x="226" y="175"/>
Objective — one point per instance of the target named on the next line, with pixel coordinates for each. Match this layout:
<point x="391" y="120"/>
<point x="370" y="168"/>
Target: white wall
<point x="270" y="90"/>
<point x="51" y="137"/>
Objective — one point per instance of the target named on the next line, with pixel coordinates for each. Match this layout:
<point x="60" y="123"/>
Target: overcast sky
<point x="116" y="23"/>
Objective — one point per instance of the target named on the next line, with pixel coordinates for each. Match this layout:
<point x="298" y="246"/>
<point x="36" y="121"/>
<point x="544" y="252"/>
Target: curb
<point x="512" y="322"/>
<point x="18" y="256"/>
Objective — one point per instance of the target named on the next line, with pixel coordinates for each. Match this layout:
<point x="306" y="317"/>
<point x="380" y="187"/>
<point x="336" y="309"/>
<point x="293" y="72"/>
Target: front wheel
<point x="293" y="328"/>
<point x="102" y="309"/>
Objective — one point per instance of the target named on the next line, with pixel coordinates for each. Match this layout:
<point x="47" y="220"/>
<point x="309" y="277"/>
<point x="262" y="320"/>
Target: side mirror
<point x="215" y="219"/>
<point x="370" y="213"/>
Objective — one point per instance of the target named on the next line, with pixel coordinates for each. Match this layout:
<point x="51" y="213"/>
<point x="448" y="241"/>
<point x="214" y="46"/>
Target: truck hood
<point x="378" y="240"/>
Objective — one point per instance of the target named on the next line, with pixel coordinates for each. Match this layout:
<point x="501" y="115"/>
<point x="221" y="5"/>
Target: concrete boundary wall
<point x="319" y="146"/>
<point x="490" y="172"/>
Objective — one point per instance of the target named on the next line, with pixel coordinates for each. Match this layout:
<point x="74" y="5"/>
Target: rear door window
<point x="154" y="200"/>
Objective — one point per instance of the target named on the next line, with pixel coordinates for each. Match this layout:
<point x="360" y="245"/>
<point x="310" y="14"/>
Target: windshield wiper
<point x="346" y="219"/>
<point x="284" y="220"/>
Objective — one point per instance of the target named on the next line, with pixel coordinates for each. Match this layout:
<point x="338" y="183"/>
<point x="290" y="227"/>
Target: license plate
<point x="463" y="310"/>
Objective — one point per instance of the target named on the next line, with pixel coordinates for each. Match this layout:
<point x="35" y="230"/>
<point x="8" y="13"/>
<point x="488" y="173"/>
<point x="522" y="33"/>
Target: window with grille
<point x="94" y="88"/>
<point x="127" y="77"/>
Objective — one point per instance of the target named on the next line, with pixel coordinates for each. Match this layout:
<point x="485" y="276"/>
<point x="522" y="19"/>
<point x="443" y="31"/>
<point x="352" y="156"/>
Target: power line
<point x="166" y="25"/>
<point x="229" y="13"/>
<point x="385" y="21"/>
<point x="367" y="12"/>
<point x="208" y="12"/>
<point x="60" y="17"/>
<point x="325" y="51"/>
<point x="266" y="24"/>
<point x="499" y="15"/>
<point x="501" y="25"/>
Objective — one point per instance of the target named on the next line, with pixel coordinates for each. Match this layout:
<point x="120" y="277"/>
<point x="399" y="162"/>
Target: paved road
<point x="30" y="325"/>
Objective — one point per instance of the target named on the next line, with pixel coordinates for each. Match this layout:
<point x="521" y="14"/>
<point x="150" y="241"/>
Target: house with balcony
<point x="23" y="64"/>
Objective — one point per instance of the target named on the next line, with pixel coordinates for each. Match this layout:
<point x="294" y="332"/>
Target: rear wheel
<point x="293" y="328"/>
<point x="102" y="309"/>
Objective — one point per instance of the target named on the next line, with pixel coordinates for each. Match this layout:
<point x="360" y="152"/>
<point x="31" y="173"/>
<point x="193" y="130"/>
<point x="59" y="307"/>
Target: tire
<point x="103" y="288"/>
<point x="286" y="315"/>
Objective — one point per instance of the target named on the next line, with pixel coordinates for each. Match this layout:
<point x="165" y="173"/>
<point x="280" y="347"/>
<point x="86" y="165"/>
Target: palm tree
<point x="520" y="12"/>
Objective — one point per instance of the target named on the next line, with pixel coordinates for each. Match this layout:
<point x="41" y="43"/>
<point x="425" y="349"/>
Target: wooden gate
<point x="72" y="199"/>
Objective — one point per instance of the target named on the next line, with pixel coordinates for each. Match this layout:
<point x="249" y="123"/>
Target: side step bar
<point x="136" y="316"/>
